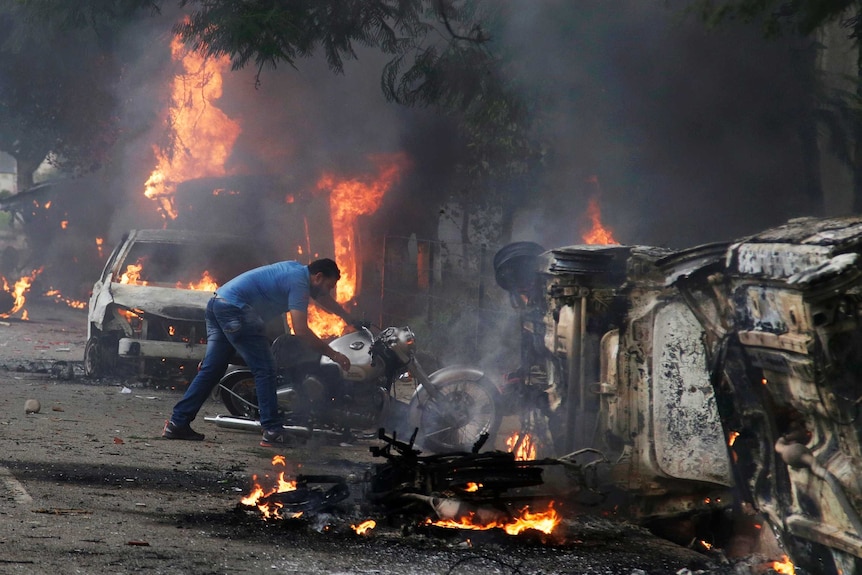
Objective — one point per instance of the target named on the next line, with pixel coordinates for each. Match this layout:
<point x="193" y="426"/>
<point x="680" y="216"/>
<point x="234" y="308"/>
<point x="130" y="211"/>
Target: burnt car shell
<point x="620" y="359"/>
<point x="783" y="313"/>
<point x="730" y="367"/>
<point x="151" y="322"/>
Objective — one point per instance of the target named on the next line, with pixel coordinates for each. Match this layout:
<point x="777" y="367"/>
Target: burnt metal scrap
<point x="145" y="314"/>
<point x="453" y="484"/>
<point x="312" y="494"/>
<point x="721" y="378"/>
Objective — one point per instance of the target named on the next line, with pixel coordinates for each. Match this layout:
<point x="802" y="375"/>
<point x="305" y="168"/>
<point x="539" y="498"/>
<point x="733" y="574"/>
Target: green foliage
<point x="779" y="17"/>
<point x="56" y="85"/>
<point x="271" y="32"/>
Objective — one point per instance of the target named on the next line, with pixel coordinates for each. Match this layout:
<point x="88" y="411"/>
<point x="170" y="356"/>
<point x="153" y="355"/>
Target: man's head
<point x="323" y="275"/>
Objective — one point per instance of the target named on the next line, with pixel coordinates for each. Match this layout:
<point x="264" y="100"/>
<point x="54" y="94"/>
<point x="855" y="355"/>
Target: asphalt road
<point x="87" y="485"/>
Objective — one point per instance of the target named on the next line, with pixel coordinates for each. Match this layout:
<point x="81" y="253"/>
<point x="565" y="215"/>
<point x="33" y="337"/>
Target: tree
<point x="55" y="91"/>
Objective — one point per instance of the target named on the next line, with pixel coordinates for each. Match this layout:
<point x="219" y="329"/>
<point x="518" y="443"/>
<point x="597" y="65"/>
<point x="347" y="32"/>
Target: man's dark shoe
<point x="275" y="438"/>
<point x="186" y="432"/>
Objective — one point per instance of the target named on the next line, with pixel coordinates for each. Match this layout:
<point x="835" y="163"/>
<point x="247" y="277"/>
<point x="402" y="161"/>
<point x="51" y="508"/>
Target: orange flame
<point x="203" y="134"/>
<point x="784" y="566"/>
<point x="544" y="521"/>
<point x="364" y="527"/>
<point x="76" y="304"/>
<point x="732" y="438"/>
<point x="99" y="243"/>
<point x="132" y="275"/>
<point x="598" y="234"/>
<point x="270" y="510"/>
<point x="525" y="449"/>
<point x="472" y="487"/>
<point x="21" y="287"/>
<point x="206" y="283"/>
<point x="350" y="198"/>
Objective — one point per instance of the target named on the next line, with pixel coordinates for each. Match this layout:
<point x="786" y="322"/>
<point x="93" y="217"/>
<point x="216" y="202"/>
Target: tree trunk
<point x="26" y="169"/>
<point x="857" y="129"/>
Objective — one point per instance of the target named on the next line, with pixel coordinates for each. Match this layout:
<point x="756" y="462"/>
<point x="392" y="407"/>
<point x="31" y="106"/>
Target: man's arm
<point x="328" y="303"/>
<point x="299" y="320"/>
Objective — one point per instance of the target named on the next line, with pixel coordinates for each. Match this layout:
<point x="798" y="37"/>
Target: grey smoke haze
<point x="686" y="131"/>
<point x="689" y="132"/>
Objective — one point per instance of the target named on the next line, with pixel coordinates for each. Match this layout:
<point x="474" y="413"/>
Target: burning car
<point x="146" y="311"/>
<point x="720" y="381"/>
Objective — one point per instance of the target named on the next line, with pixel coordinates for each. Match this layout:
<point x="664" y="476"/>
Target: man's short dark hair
<point x="325" y="266"/>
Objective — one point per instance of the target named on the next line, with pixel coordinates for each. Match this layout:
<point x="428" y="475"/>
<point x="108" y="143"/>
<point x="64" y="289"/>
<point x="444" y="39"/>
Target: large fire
<point x="202" y="140"/>
<point x="203" y="135"/>
<point x="350" y="198"/>
<point x="544" y="521"/>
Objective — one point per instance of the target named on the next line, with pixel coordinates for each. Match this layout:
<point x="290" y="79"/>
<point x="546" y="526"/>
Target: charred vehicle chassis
<point x="719" y="382"/>
<point x="146" y="311"/>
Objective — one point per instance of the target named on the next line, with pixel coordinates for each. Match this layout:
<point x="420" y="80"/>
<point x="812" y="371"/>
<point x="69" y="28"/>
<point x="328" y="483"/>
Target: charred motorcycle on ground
<point x="451" y="407"/>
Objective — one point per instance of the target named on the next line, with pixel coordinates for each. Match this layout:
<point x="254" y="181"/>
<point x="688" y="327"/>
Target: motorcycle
<point x="449" y="411"/>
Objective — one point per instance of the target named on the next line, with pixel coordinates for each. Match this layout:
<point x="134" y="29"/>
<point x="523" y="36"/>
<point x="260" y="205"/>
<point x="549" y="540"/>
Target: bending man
<point x="236" y="317"/>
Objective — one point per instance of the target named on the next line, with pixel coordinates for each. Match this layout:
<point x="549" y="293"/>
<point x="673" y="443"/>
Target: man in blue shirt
<point x="236" y="317"/>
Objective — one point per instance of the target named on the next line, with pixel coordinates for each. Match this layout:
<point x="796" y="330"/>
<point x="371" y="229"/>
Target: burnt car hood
<point x="168" y="302"/>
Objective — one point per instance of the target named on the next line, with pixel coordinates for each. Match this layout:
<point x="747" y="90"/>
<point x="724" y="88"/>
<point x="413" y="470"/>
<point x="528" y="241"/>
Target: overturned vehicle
<point x="721" y="384"/>
<point x="146" y="310"/>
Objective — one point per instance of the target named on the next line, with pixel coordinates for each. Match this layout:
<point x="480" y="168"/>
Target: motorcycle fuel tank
<point x="357" y="347"/>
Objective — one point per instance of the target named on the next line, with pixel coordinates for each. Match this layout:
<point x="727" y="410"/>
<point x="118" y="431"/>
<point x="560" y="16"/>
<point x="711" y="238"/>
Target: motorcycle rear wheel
<point x="463" y="410"/>
<point x="240" y="395"/>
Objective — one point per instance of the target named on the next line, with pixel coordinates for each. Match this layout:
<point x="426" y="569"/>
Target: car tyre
<point x="99" y="357"/>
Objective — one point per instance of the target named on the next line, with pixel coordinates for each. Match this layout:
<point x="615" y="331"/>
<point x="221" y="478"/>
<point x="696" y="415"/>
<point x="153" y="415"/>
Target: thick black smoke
<point x="684" y="135"/>
<point x="687" y="135"/>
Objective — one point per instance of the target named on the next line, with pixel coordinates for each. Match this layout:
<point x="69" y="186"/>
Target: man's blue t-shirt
<point x="271" y="290"/>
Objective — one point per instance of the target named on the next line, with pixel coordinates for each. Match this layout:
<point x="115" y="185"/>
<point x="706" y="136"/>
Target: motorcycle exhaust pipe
<point x="231" y="422"/>
<point x="245" y="424"/>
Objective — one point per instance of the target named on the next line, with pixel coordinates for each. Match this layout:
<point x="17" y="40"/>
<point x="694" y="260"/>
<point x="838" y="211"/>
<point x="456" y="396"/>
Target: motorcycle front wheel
<point x="240" y="395"/>
<point x="462" y="410"/>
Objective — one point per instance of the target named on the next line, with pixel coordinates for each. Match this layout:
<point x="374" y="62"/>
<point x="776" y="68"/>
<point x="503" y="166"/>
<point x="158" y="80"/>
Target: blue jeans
<point x="232" y="328"/>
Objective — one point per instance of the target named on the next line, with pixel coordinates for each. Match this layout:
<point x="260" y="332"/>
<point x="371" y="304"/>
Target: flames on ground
<point x="14" y="296"/>
<point x="258" y="495"/>
<point x="545" y="521"/>
<point x="451" y="513"/>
